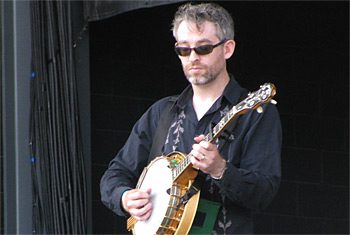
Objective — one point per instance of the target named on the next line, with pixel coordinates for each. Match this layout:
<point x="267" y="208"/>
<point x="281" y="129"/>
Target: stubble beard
<point x="204" y="79"/>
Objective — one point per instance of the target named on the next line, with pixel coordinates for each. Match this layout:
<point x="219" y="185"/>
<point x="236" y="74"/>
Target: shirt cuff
<point x="231" y="179"/>
<point x="117" y="198"/>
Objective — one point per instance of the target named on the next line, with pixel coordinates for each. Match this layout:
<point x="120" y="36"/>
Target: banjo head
<point x="159" y="178"/>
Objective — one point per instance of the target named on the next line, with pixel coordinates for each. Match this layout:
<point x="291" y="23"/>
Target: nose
<point x="193" y="56"/>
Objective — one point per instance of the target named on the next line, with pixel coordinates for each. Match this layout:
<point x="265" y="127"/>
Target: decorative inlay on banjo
<point x="171" y="176"/>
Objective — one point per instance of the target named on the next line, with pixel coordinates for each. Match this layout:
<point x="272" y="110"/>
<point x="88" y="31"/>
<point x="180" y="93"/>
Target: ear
<point x="229" y="48"/>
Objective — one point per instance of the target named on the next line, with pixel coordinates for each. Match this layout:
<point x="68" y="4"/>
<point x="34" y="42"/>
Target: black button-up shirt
<point x="253" y="152"/>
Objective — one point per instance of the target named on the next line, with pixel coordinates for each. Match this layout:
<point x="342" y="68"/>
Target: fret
<point x="233" y="111"/>
<point x="225" y="119"/>
<point x="221" y="124"/>
<point x="215" y="130"/>
<point x="183" y="165"/>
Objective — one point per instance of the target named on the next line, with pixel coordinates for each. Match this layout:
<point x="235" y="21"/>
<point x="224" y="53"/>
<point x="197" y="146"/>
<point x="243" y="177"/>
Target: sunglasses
<point x="200" y="50"/>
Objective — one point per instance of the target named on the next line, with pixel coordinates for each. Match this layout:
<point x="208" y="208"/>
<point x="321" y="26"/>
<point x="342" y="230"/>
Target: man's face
<point x="200" y="69"/>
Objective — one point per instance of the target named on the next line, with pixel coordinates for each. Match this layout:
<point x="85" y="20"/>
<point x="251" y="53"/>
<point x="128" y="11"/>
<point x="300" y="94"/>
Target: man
<point x="245" y="175"/>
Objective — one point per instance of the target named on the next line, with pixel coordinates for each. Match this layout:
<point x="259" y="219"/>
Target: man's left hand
<point x="207" y="158"/>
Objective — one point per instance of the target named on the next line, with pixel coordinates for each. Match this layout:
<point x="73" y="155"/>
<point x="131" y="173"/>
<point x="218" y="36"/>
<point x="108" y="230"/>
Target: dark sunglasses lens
<point x="204" y="50"/>
<point x="183" y="51"/>
<point x="200" y="50"/>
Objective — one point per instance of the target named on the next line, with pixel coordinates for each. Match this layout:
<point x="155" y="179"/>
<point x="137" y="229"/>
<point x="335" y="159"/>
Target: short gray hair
<point x="200" y="13"/>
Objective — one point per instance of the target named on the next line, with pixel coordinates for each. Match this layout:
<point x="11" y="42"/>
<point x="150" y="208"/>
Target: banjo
<point x="171" y="176"/>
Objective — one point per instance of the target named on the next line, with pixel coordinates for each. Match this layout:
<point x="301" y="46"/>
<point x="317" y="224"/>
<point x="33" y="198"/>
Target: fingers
<point x="148" y="191"/>
<point x="196" y="150"/>
<point x="138" y="194"/>
<point x="205" y="144"/>
<point x="203" y="150"/>
<point x="143" y="212"/>
<point x="206" y="156"/>
<point x="197" y="157"/>
<point x="137" y="203"/>
<point x="199" y="138"/>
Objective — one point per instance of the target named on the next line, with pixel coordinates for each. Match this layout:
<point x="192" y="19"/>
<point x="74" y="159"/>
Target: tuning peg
<point x="273" y="102"/>
<point x="259" y="109"/>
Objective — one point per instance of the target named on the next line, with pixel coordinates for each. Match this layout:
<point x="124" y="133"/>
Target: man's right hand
<point x="137" y="203"/>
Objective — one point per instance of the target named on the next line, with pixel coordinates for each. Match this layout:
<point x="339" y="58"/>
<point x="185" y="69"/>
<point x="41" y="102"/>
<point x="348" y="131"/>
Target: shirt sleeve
<point x="124" y="170"/>
<point x="254" y="183"/>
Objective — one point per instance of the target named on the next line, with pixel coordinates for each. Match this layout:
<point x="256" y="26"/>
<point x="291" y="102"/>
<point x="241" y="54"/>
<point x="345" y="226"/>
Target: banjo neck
<point x="253" y="101"/>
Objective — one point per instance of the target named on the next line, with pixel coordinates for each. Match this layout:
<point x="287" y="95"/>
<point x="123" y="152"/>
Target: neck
<point x="205" y="95"/>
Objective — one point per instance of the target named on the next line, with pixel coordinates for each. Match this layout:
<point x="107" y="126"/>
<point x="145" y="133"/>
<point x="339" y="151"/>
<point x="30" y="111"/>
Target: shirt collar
<point x="232" y="93"/>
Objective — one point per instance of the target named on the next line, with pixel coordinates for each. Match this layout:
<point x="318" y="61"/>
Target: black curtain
<point x="59" y="182"/>
<point x="100" y="9"/>
<point x="58" y="175"/>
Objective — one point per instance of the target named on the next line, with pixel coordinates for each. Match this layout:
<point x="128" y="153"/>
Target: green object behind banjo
<point x="209" y="211"/>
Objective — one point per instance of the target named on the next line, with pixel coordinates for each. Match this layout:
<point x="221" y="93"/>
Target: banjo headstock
<point x="256" y="98"/>
<point x="253" y="101"/>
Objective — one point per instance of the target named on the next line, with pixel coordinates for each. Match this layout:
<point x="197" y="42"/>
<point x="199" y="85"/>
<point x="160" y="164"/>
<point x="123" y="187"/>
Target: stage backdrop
<point x="302" y="47"/>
